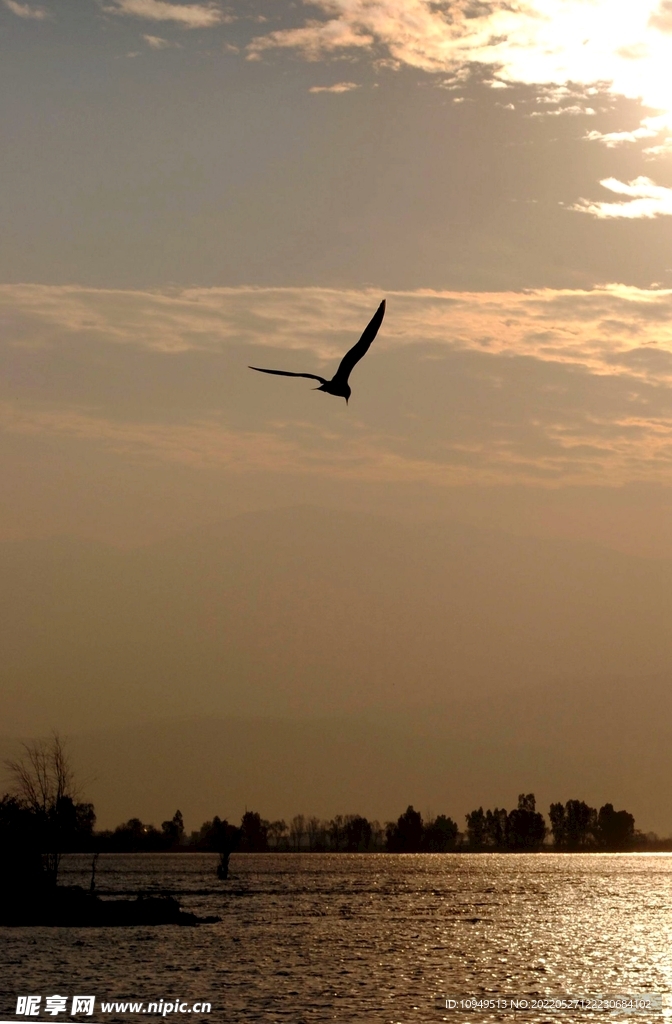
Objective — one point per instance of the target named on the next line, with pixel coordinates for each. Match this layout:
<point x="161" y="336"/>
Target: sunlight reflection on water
<point x="319" y="937"/>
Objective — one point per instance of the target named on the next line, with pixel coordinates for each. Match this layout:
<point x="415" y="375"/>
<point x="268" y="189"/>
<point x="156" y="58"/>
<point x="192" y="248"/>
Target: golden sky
<point x="192" y="187"/>
<point x="188" y="188"/>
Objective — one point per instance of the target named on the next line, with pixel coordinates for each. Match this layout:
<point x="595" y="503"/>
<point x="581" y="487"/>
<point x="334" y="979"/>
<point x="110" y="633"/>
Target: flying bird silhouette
<point x="338" y="385"/>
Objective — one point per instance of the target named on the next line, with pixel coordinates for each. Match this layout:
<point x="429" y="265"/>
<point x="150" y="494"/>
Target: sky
<point x="190" y="188"/>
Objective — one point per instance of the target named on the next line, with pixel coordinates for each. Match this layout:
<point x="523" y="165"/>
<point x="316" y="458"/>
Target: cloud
<point x="187" y="15"/>
<point x="639" y="51"/>
<point x="645" y="200"/>
<point x="544" y="387"/>
<point x="157" y="43"/>
<point x="338" y="87"/>
<point x="664" y="148"/>
<point x="649" y="128"/>
<point x="617" y="45"/>
<point x="202" y="443"/>
<point x="661" y="19"/>
<point x="578" y="328"/>
<point x="573" y="109"/>
<point x="313" y="40"/>
<point x="25" y="11"/>
<point x="543" y="41"/>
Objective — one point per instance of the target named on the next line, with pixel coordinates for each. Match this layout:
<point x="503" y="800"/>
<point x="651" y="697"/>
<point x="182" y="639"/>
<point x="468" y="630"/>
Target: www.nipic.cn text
<point x="31" y="1006"/>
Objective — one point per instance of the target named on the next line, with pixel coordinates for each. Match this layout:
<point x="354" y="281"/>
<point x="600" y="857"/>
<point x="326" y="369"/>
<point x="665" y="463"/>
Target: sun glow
<point x="593" y="46"/>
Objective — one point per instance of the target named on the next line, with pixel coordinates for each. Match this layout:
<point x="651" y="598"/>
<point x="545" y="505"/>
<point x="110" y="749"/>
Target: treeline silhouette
<point x="30" y="834"/>
<point x="574" y="827"/>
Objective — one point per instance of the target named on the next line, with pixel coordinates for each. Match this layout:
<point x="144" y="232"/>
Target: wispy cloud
<point x="622" y="47"/>
<point x="544" y="386"/>
<point x="25" y="10"/>
<point x="200" y="443"/>
<point x="645" y="200"/>
<point x="338" y="87"/>
<point x="314" y="39"/>
<point x="187" y="15"/>
<point x="543" y="41"/>
<point x="649" y="128"/>
<point x="661" y="18"/>
<point x="595" y="330"/>
<point x="157" y="43"/>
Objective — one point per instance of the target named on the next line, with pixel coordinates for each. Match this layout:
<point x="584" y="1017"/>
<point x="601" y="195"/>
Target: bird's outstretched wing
<point x="288" y="373"/>
<point x="352" y="357"/>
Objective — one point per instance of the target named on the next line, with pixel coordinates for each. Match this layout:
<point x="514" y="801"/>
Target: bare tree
<point x="44" y="784"/>
<point x="277" y="833"/>
<point x="317" y="833"/>
<point x="297" y="830"/>
<point x="43" y="775"/>
<point x="336" y="829"/>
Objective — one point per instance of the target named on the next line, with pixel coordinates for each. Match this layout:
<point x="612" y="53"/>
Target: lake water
<point x="370" y="938"/>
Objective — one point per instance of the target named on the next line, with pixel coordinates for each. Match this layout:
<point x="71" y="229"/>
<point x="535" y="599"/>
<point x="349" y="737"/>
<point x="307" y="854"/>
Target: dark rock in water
<point x="74" y="907"/>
